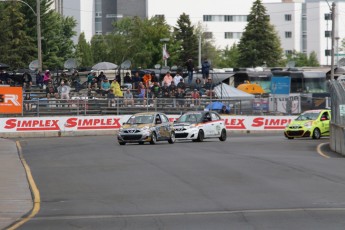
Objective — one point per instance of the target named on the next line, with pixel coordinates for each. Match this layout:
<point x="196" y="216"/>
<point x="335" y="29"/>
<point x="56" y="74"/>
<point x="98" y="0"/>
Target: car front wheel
<point x="172" y="138"/>
<point x="316" y="133"/>
<point x="200" y="136"/>
<point x="153" y="139"/>
<point x="223" y="135"/>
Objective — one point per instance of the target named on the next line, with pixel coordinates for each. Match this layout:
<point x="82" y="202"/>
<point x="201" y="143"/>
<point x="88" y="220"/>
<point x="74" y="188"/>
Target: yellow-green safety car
<point x="311" y="123"/>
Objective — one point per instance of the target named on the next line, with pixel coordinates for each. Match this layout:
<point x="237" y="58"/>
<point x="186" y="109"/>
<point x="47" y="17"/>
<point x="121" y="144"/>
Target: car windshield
<point x="190" y="118"/>
<point x="140" y="119"/>
<point x="308" y="116"/>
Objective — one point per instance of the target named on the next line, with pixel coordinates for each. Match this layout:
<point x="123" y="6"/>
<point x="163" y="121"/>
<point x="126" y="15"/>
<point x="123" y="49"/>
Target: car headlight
<point x="120" y="130"/>
<point x="308" y="124"/>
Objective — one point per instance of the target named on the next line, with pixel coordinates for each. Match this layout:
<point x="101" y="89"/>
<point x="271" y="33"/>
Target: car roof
<point x="148" y="113"/>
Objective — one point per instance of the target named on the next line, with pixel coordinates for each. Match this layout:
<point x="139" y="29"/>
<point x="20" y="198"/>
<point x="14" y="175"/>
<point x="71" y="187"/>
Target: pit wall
<point x="337" y="138"/>
<point x="12" y="127"/>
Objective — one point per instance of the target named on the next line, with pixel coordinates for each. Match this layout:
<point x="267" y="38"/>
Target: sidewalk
<point x="15" y="195"/>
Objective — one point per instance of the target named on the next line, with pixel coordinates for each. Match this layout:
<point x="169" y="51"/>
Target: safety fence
<point x="337" y="135"/>
<point x="85" y="106"/>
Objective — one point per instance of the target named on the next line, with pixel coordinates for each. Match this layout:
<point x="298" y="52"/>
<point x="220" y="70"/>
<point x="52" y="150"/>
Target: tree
<point x="229" y="57"/>
<point x="184" y="32"/>
<point x="83" y="52"/>
<point x="260" y="43"/>
<point x="17" y="46"/>
<point x="313" y="61"/>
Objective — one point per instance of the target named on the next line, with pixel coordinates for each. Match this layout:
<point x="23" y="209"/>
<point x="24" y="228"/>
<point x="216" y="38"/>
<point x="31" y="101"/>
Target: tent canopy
<point x="226" y="91"/>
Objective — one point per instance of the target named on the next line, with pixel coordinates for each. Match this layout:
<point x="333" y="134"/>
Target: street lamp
<point x="165" y="40"/>
<point x="38" y="16"/>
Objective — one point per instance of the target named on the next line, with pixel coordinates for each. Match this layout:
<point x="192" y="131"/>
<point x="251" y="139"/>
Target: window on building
<point x="328" y="16"/>
<point x="327" y="52"/>
<point x="228" y="18"/>
<point x="288" y="17"/>
<point x="232" y="35"/>
<point x="288" y="34"/>
<point x="207" y="18"/>
<point x="328" y="34"/>
<point x="98" y="14"/>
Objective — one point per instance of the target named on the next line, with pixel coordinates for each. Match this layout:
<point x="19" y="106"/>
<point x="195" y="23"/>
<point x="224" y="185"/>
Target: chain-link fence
<point x="337" y="135"/>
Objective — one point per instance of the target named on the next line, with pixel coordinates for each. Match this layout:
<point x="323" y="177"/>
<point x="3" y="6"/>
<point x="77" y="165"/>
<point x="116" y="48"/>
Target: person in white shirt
<point x="177" y="78"/>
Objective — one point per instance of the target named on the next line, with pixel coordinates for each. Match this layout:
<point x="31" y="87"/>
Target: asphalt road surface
<point x="254" y="182"/>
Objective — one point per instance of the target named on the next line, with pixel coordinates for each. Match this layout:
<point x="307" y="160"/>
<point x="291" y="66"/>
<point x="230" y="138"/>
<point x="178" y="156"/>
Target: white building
<point x="83" y="12"/>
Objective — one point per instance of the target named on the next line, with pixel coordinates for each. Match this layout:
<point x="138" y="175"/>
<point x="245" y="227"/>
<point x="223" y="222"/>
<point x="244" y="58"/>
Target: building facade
<point x="302" y="25"/>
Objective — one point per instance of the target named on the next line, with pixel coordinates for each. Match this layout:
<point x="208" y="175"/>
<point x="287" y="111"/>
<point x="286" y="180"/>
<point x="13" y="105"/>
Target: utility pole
<point x="39" y="39"/>
<point x="333" y="39"/>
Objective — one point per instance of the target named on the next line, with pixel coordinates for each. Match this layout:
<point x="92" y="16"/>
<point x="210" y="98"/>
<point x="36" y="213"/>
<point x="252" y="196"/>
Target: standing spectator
<point x="205" y="69"/>
<point x="47" y="77"/>
<point x="177" y="78"/>
<point x="180" y="97"/>
<point x="51" y="90"/>
<point x="167" y="78"/>
<point x="136" y="79"/>
<point x="116" y="88"/>
<point x="195" y="97"/>
<point x="105" y="87"/>
<point x="128" y="98"/>
<point x="127" y="81"/>
<point x="209" y="86"/>
<point x="190" y="69"/>
<point x="39" y="79"/>
<point x="64" y="90"/>
<point x="27" y="102"/>
<point x="181" y="85"/>
<point x="27" y="81"/>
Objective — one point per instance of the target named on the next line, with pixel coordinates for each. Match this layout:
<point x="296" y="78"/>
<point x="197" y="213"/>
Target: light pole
<point x="337" y="49"/>
<point x="165" y="40"/>
<point x="38" y="16"/>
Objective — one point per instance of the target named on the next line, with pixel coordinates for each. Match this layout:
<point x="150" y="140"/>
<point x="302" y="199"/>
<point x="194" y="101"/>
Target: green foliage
<point x="16" y="46"/>
<point x="228" y="57"/>
<point x="260" y="44"/>
<point x="83" y="52"/>
<point x="184" y="33"/>
<point x="19" y="40"/>
<point x="301" y="59"/>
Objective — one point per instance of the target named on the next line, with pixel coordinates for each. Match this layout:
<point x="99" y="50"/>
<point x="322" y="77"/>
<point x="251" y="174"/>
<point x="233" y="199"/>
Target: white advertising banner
<point x="89" y="123"/>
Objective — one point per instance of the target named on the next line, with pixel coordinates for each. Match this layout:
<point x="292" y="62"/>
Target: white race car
<point x="199" y="125"/>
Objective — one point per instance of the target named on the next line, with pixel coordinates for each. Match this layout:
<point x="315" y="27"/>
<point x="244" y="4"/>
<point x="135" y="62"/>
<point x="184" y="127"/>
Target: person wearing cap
<point x="190" y="68"/>
<point x="167" y="79"/>
<point x="105" y="87"/>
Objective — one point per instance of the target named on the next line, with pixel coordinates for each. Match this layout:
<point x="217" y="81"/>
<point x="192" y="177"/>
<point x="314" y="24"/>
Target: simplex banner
<point x="88" y="123"/>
